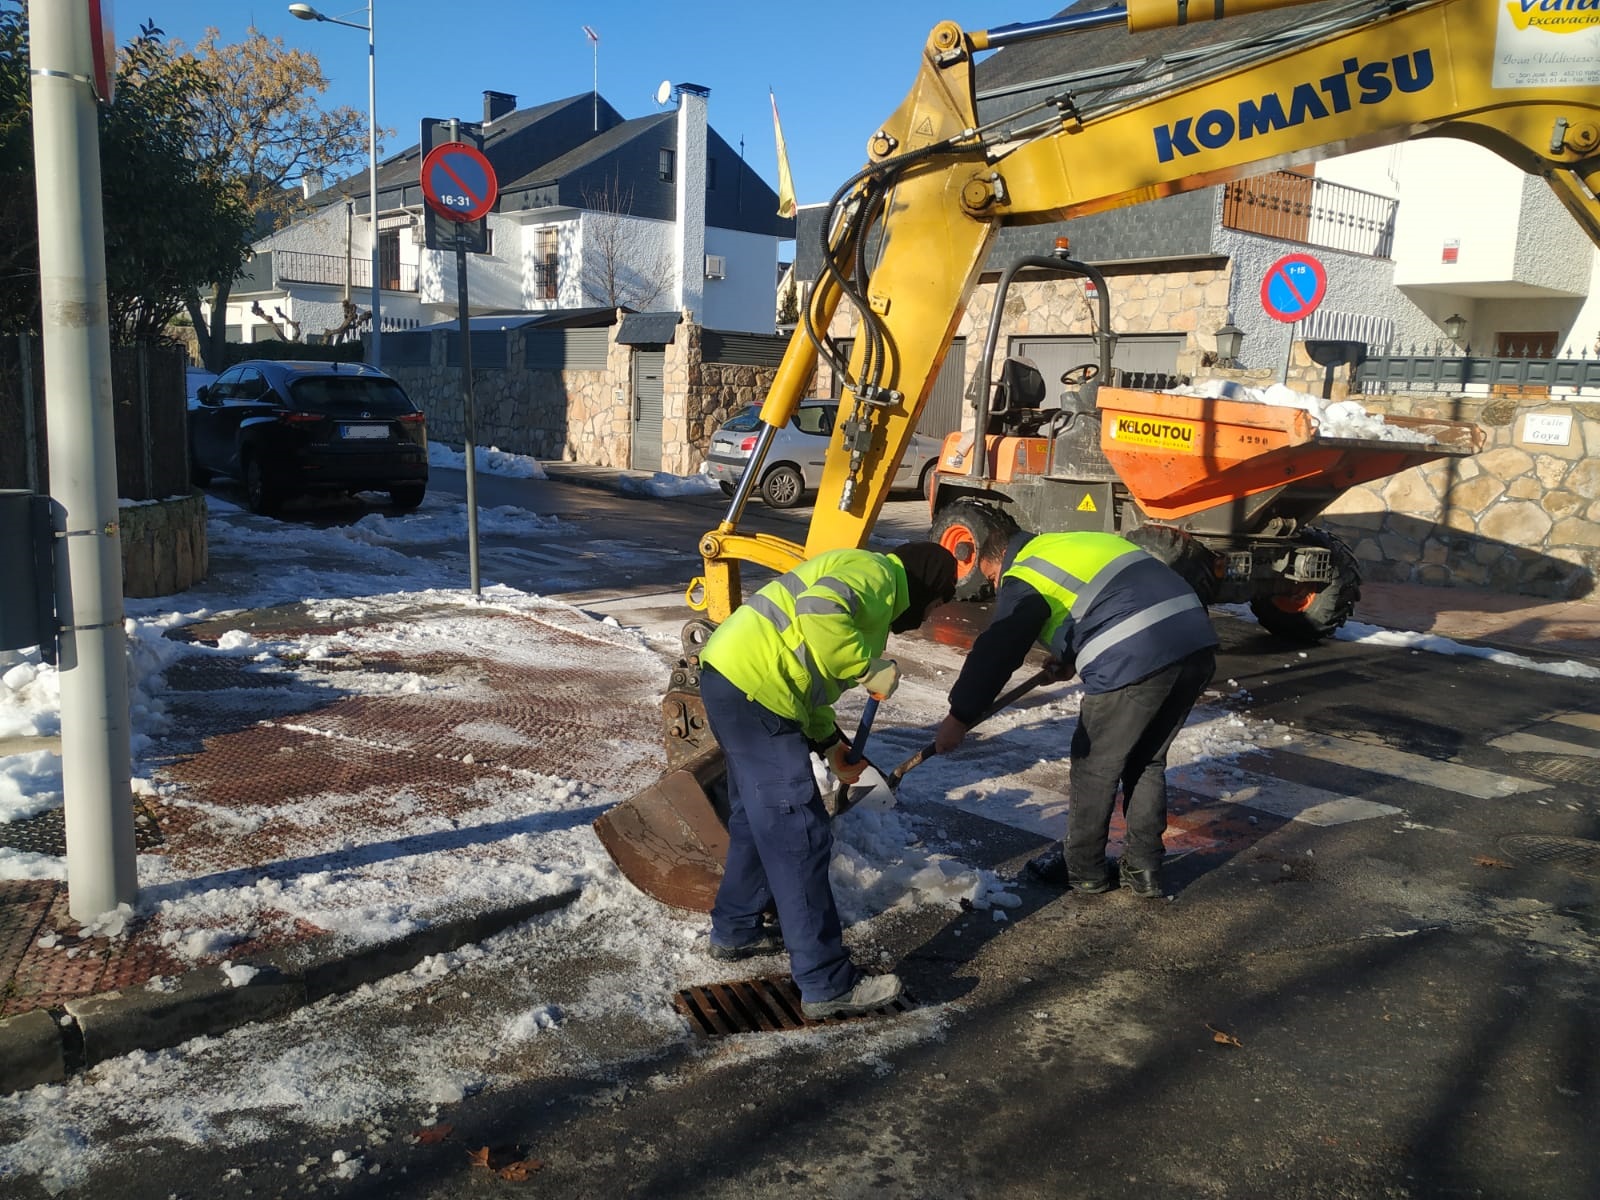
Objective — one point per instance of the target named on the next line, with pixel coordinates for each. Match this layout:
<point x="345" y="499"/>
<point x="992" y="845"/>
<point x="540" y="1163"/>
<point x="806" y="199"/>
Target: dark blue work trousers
<point x="779" y="841"/>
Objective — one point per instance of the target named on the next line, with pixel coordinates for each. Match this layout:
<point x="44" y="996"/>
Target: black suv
<point x="285" y="428"/>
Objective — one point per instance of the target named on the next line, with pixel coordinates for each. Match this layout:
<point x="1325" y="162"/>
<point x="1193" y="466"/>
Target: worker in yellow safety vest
<point x="769" y="676"/>
<point x="1139" y="638"/>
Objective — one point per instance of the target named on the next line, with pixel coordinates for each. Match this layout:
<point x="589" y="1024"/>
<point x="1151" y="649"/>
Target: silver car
<point x="794" y="462"/>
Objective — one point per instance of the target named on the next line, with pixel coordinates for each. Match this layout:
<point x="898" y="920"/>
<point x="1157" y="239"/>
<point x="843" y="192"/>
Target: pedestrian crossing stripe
<point x="1384" y="760"/>
<point x="1582" y="720"/>
<point x="1283" y="798"/>
<point x="1533" y="743"/>
<point x="1087" y="504"/>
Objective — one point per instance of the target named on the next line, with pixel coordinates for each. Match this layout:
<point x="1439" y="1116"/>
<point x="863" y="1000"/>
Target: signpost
<point x="458" y="184"/>
<point x="1291" y="290"/>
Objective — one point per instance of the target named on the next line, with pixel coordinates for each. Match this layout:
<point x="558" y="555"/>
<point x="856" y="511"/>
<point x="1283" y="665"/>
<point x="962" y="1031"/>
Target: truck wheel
<point x="1183" y="553"/>
<point x="961" y="528"/>
<point x="783" y="487"/>
<point x="1307" y="615"/>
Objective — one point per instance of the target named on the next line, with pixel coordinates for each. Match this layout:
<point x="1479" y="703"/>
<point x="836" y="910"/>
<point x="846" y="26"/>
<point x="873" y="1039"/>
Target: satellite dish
<point x="664" y="92"/>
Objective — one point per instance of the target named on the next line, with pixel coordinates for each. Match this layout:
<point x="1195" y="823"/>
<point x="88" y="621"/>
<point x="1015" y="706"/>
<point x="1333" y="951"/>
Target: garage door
<point x="1147" y="360"/>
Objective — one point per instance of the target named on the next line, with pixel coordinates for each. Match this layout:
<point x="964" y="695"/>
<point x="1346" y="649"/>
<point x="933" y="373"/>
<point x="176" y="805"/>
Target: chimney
<point x="497" y="105"/>
<point x="691" y="197"/>
<point x="310" y="184"/>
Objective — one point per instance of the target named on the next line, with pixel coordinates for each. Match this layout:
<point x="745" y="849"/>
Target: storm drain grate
<point x="767" y="1005"/>
<point x="1581" y="856"/>
<point x="1563" y="768"/>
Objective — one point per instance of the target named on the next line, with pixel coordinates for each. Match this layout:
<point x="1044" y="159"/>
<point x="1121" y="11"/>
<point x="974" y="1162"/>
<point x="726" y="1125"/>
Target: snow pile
<point x="1335" y="419"/>
<point x="662" y="484"/>
<point x="488" y="460"/>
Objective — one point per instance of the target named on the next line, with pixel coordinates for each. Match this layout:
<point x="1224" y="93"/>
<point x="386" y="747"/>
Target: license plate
<point x="363" y="431"/>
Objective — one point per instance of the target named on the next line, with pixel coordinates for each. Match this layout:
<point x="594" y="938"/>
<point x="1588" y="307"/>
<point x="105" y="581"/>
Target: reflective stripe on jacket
<point x="1116" y="612"/>
<point x="808" y="635"/>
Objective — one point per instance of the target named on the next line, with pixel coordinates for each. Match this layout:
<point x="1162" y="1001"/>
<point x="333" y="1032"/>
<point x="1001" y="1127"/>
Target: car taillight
<point x="300" y="418"/>
<point x="747" y="445"/>
<point x="411" y="418"/>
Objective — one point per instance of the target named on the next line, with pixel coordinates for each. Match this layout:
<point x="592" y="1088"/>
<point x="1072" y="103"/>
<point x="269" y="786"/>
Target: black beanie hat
<point x="930" y="574"/>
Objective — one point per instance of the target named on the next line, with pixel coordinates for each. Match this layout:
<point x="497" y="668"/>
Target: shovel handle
<point x="858" y="744"/>
<point x="1011" y="697"/>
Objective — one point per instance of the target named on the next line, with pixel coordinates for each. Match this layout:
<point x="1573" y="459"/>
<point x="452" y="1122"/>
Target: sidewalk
<point x="250" y="746"/>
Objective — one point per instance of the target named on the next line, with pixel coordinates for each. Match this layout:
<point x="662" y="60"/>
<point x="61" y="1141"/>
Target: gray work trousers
<point x="1122" y="741"/>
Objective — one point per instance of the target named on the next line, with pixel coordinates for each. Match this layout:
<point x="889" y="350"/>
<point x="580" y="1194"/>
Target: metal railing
<point x="1446" y="367"/>
<point x="1315" y="212"/>
<point x="546" y="279"/>
<point x="334" y="270"/>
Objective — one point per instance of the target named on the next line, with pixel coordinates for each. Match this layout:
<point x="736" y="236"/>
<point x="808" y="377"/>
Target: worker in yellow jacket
<point x="1140" y="640"/>
<point x="769" y="676"/>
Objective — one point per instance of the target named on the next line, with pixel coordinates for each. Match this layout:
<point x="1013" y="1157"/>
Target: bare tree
<point x="620" y="269"/>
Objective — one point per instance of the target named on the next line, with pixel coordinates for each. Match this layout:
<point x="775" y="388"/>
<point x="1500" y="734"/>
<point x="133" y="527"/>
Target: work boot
<point x="870" y="992"/>
<point x="768" y="941"/>
<point x="1146" y="883"/>
<point x="1049" y="866"/>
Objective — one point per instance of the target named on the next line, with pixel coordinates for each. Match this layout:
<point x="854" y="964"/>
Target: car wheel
<point x="783" y="487"/>
<point x="406" y="496"/>
<point x="925" y="482"/>
<point x="727" y="488"/>
<point x="260" y="493"/>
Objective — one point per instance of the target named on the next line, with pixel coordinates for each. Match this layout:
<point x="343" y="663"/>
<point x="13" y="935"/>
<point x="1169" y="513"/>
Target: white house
<point x="656" y="213"/>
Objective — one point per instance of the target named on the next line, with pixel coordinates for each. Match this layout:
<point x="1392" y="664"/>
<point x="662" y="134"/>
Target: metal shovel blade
<point x="669" y="840"/>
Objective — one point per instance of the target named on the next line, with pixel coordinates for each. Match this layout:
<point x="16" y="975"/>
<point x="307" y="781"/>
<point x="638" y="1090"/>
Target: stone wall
<point x="586" y="416"/>
<point x="164" y="547"/>
<point x="700" y="397"/>
<point x="1516" y="517"/>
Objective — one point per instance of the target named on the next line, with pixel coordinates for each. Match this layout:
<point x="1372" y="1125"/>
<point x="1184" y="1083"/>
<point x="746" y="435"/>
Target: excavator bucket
<point x="671" y="839"/>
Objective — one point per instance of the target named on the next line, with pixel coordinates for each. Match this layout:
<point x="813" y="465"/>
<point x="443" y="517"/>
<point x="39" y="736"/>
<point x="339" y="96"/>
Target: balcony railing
<point x="1312" y="211"/>
<point x="334" y="270"/>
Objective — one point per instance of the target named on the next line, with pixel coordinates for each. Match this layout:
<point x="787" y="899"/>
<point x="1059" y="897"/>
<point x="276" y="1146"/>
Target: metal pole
<point x="372" y="175"/>
<point x="1288" y="353"/>
<point x="469" y="409"/>
<point x="95" y="748"/>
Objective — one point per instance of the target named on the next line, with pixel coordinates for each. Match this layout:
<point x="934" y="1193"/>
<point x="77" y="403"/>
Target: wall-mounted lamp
<point x="1229" y="338"/>
<point x="1454" y="326"/>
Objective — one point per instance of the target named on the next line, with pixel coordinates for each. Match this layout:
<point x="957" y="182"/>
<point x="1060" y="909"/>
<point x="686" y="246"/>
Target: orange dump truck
<point x="1224" y="490"/>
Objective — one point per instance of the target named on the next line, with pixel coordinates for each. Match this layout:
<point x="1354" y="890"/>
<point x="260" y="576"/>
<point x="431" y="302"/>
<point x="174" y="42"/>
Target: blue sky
<point x="838" y="67"/>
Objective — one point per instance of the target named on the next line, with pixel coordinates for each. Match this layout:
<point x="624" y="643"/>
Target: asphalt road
<point x="1397" y="1000"/>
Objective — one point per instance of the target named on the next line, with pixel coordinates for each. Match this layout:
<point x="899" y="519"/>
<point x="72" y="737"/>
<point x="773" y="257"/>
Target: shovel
<point x="891" y="782"/>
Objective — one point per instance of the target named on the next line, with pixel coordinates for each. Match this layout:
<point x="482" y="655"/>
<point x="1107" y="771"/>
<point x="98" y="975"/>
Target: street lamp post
<point x="306" y="13"/>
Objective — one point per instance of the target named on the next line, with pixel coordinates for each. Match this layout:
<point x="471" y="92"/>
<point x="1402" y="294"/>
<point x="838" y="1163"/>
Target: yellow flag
<point x="786" y="205"/>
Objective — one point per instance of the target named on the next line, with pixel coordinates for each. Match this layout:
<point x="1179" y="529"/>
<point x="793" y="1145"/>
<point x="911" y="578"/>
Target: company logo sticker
<point x="1161" y="435"/>
<point x="1534" y="44"/>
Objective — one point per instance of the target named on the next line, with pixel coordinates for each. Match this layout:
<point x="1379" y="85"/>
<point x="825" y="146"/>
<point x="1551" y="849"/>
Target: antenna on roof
<point x="594" y="40"/>
<point x="664" y="92"/>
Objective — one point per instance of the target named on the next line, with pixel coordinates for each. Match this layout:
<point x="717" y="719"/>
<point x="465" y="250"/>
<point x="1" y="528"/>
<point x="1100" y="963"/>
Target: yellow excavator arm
<point x="907" y="236"/>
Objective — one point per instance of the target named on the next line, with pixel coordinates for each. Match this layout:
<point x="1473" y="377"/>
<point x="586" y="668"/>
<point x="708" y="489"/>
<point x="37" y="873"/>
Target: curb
<point x="43" y="1047"/>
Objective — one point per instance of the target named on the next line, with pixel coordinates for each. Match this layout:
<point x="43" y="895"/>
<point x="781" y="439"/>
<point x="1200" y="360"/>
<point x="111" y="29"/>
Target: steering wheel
<point x="1080" y="375"/>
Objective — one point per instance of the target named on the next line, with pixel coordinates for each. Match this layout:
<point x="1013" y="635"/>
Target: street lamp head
<point x="306" y="13"/>
<point x="1454" y="326"/>
<point x="1229" y="338"/>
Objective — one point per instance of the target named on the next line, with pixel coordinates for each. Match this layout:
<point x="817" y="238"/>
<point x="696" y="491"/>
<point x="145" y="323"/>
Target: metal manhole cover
<point x="1581" y="856"/>
<point x="770" y="1004"/>
<point x="1563" y="768"/>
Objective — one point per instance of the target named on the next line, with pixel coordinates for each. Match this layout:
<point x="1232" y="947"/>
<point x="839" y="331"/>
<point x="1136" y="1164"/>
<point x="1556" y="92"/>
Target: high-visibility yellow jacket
<point x="804" y="638"/>
<point x="1117" y="612"/>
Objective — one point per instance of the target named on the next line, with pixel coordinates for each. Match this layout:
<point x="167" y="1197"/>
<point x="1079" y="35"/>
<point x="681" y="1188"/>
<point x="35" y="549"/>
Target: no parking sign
<point x="1293" y="287"/>
<point x="458" y="182"/>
